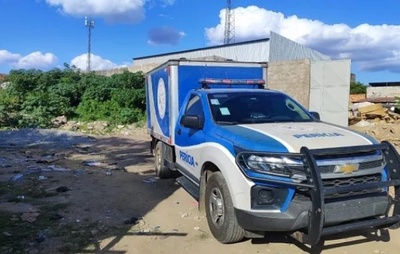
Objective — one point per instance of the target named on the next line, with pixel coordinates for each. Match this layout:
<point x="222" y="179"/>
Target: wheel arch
<point x="220" y="159"/>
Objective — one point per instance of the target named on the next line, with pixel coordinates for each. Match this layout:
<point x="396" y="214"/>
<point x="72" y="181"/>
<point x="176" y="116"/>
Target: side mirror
<point x="315" y="114"/>
<point x="192" y="121"/>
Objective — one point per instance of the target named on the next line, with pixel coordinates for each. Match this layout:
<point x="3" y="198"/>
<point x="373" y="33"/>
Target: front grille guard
<point x="318" y="192"/>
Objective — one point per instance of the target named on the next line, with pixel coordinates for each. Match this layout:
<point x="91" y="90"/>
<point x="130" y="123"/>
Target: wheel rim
<point x="216" y="205"/>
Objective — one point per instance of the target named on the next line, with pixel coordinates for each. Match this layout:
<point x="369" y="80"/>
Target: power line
<point x="229" y="35"/>
<point x="89" y="23"/>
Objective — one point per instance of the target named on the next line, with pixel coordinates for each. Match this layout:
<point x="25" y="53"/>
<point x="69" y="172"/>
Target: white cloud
<point x="121" y="11"/>
<point x="96" y="63"/>
<point x="36" y="60"/>
<point x="8" y="57"/>
<point x="372" y="47"/>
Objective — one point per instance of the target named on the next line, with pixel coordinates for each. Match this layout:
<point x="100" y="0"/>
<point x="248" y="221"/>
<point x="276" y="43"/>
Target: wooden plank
<point x="394" y="115"/>
<point x="369" y="108"/>
<point x="381" y="111"/>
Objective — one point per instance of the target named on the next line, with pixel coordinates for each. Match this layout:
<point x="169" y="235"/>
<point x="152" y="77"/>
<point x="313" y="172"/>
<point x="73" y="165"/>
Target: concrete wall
<point x="383" y="91"/>
<point x="291" y="77"/>
<point x="143" y="68"/>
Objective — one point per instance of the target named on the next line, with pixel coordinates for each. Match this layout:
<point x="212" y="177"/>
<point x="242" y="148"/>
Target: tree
<point x="34" y="97"/>
<point x="357" y="88"/>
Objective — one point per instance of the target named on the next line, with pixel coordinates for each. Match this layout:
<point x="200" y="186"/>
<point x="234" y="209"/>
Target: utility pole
<point x="89" y="23"/>
<point x="229" y="35"/>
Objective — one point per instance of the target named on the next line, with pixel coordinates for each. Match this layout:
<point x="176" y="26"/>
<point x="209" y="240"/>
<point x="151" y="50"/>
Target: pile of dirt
<point x="380" y="130"/>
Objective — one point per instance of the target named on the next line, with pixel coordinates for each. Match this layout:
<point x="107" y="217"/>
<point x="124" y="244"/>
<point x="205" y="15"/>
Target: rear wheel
<point x="220" y="213"/>
<point x="159" y="155"/>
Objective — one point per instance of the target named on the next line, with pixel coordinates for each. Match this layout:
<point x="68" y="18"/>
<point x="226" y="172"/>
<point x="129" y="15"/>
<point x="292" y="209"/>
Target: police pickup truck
<point x="258" y="162"/>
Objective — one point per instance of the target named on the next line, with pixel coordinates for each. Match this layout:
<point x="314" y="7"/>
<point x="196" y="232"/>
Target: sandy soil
<point x="111" y="185"/>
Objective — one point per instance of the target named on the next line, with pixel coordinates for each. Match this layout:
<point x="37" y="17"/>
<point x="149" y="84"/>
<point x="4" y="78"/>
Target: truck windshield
<point x="248" y="107"/>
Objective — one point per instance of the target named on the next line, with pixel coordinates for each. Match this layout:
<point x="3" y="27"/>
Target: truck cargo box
<point x="168" y="84"/>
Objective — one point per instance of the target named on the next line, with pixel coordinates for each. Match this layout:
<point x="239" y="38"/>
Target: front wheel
<point x="220" y="213"/>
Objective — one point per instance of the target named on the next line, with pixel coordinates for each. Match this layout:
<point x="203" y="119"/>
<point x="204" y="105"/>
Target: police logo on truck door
<point x="161" y="100"/>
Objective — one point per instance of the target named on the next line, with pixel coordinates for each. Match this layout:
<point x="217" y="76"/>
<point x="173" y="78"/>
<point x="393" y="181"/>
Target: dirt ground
<point x="110" y="202"/>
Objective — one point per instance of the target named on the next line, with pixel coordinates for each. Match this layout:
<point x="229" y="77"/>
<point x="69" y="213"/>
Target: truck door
<point x="189" y="139"/>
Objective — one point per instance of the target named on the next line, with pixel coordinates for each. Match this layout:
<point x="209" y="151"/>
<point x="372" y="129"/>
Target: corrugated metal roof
<point x="394" y="83"/>
<point x="205" y="48"/>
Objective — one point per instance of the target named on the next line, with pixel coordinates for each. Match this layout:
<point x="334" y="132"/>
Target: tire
<point x="159" y="155"/>
<point x="220" y="213"/>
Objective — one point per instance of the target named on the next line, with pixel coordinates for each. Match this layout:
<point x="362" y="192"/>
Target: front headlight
<point x="285" y="165"/>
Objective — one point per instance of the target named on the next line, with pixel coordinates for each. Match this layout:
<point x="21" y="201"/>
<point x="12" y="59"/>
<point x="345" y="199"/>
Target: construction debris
<point x="371" y="111"/>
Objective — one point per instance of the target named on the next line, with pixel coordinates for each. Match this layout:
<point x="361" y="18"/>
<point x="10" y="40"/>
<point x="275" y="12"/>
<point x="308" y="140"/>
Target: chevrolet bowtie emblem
<point x="346" y="168"/>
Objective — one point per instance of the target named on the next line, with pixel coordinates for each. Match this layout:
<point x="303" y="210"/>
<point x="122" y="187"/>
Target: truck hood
<point x="290" y="137"/>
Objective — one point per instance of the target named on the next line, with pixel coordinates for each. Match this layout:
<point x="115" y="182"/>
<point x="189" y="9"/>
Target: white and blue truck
<point x="258" y="162"/>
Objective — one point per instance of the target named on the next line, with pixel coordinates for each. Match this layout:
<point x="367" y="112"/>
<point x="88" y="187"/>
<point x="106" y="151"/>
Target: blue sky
<point x="45" y="34"/>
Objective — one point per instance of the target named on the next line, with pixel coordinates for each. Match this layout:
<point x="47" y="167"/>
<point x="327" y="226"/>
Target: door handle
<point x="179" y="131"/>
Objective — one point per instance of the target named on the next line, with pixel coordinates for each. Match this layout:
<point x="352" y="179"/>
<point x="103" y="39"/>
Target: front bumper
<point x="321" y="215"/>
<point x="296" y="217"/>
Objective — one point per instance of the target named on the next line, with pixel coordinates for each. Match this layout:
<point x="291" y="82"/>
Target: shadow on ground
<point x="110" y="186"/>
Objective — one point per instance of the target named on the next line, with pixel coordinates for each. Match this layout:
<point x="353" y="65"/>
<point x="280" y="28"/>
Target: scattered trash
<point x="58" y="169"/>
<point x="199" y="217"/>
<point x="78" y="172"/>
<point x="29" y="217"/>
<point x="196" y="228"/>
<point x="5" y="233"/>
<point x="82" y="149"/>
<point x="176" y="202"/>
<point x="184" y="215"/>
<point x="3" y="163"/>
<point x="92" y="163"/>
<point x="33" y="169"/>
<point x="62" y="189"/>
<point x="17" y="177"/>
<point x="40" y="178"/>
<point x="47" y="158"/>
<point x="108" y="172"/>
<point x="152" y="180"/>
<point x="94" y="232"/>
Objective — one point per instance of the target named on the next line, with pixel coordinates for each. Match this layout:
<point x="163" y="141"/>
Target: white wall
<point x="329" y="90"/>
